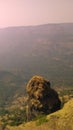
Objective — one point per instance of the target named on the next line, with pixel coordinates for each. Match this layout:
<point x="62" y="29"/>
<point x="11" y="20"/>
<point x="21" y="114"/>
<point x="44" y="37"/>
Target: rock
<point x="42" y="99"/>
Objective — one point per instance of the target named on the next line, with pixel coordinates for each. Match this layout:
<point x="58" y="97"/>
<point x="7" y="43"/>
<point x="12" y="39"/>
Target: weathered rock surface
<point x="42" y="99"/>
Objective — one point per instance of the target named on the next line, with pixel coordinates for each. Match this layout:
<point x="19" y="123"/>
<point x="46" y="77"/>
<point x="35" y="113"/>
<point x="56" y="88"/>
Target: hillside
<point x="39" y="50"/>
<point x="45" y="50"/>
<point x="11" y="85"/>
<point x="60" y="120"/>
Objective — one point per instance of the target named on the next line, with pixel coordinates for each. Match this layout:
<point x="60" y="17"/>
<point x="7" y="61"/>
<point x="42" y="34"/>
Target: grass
<point x="41" y="120"/>
<point x="60" y="120"/>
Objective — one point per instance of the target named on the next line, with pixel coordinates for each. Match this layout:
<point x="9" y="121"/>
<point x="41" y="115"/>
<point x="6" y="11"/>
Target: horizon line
<point x="34" y="25"/>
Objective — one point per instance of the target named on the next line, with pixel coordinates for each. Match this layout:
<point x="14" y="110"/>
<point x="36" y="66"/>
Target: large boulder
<point x="42" y="99"/>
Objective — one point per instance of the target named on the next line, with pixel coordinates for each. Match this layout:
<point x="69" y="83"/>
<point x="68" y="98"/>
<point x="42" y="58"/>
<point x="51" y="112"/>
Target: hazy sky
<point x="33" y="12"/>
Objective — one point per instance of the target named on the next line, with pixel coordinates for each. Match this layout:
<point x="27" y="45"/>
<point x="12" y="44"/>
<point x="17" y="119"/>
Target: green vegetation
<point x="47" y="51"/>
<point x="10" y="85"/>
<point x="14" y="118"/>
<point x="41" y="119"/>
<point x="3" y="112"/>
<point x="60" y="120"/>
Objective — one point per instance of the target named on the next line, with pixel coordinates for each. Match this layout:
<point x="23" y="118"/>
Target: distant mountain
<point x="44" y="50"/>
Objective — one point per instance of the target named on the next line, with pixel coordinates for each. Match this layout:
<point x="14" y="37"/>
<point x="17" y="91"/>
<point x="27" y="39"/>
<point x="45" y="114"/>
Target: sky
<point x="35" y="12"/>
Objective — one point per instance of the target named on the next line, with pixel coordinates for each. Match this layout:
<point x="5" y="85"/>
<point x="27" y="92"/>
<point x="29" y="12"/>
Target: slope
<point x="39" y="50"/>
<point x="60" y="120"/>
<point x="10" y="85"/>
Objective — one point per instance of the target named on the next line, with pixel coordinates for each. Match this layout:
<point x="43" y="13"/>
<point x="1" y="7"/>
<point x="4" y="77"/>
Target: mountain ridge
<point x="22" y="48"/>
<point x="45" y="50"/>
